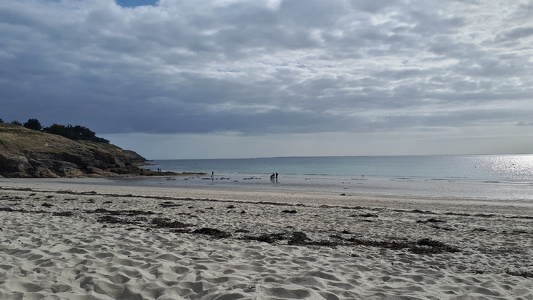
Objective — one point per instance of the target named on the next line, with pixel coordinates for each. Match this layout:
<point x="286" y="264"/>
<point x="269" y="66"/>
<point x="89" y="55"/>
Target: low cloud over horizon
<point x="228" y="78"/>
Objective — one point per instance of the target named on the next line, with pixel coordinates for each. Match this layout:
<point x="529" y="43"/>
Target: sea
<point x="492" y="177"/>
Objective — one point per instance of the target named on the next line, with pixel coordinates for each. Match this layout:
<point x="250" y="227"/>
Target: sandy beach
<point x="88" y="239"/>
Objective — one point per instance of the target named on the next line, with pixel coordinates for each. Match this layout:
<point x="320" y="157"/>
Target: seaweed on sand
<point x="428" y="246"/>
<point x="296" y="238"/>
<point x="114" y="220"/>
<point x="422" y="246"/>
<point x="368" y="215"/>
<point x="63" y="214"/>
<point x="168" y="204"/>
<point x="167" y="223"/>
<point x="119" y="212"/>
<point x="216" y="233"/>
<point x="431" y="220"/>
<point x="266" y="238"/>
<point x="525" y="274"/>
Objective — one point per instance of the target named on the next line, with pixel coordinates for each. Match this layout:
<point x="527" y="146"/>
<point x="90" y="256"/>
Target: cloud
<point x="135" y="3"/>
<point x="266" y="67"/>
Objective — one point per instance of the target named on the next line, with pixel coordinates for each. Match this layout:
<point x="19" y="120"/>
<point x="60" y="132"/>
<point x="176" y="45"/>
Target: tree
<point x="1" y="121"/>
<point x="59" y="130"/>
<point x="33" y="124"/>
<point x="16" y="123"/>
<point x="74" y="133"/>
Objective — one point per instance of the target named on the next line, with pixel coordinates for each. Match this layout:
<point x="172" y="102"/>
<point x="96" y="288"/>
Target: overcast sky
<point x="230" y="78"/>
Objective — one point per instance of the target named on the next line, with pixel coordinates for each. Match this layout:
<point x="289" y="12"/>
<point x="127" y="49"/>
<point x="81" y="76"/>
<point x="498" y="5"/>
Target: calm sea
<point x="499" y="177"/>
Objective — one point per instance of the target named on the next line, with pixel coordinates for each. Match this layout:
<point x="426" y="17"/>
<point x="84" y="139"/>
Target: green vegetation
<point x="33" y="124"/>
<point x="31" y="153"/>
<point x="75" y="133"/>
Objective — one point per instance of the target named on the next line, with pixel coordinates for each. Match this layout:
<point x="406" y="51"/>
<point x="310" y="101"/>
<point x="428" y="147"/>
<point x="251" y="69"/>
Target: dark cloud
<point x="257" y="68"/>
<point x="515" y="34"/>
<point x="373" y="6"/>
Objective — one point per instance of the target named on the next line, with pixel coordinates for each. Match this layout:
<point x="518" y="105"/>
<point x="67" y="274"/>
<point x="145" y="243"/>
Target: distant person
<point x="273" y="176"/>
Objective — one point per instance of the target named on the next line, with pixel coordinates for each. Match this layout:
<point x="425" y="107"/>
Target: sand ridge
<point x="104" y="242"/>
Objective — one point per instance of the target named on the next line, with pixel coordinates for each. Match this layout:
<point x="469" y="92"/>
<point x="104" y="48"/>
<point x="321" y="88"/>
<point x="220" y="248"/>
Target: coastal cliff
<point x="30" y="153"/>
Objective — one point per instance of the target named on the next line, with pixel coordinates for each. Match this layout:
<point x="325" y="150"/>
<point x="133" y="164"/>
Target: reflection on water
<point x="513" y="168"/>
<point x="498" y="177"/>
<point x="516" y="168"/>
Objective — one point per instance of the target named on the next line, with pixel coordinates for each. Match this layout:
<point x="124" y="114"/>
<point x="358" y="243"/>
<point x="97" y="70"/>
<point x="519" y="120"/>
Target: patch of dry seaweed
<point x="167" y="223"/>
<point x="367" y="215"/>
<point x="521" y="217"/>
<point x="168" y="204"/>
<point x="114" y="220"/>
<point x="298" y="238"/>
<point x="431" y="220"/>
<point x="266" y="238"/>
<point x="120" y="212"/>
<point x="525" y="274"/>
<point x="62" y="214"/>
<point x="9" y="209"/>
<point x="485" y="215"/>
<point x="423" y="246"/>
<point x="415" y="211"/>
<point x="216" y="233"/>
<point x="457" y="214"/>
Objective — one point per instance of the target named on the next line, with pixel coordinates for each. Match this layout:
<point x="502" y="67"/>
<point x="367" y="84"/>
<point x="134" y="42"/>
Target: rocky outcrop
<point x="29" y="153"/>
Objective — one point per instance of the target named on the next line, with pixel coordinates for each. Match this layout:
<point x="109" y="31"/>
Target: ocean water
<point x="498" y="177"/>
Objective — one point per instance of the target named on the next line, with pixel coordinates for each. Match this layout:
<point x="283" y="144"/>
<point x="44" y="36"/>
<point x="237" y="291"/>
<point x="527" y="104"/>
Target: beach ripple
<point x="76" y="257"/>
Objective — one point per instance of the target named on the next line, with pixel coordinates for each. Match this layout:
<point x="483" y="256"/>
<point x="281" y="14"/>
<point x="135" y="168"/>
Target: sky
<point x="174" y="79"/>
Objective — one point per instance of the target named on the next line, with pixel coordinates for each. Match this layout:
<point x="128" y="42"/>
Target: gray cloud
<point x="254" y="68"/>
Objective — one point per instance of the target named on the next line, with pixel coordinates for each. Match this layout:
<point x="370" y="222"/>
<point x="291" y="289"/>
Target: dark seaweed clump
<point x="525" y="274"/>
<point x="423" y="246"/>
<point x="296" y="238"/>
<point x="216" y="233"/>
<point x="266" y="238"/>
<point x="119" y="212"/>
<point x="113" y="220"/>
<point x="167" y="223"/>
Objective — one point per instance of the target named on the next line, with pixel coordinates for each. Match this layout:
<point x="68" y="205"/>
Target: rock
<point x="30" y="153"/>
<point x="14" y="163"/>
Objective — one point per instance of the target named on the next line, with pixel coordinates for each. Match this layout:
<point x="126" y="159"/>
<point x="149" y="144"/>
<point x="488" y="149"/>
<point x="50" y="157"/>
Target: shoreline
<point x="89" y="239"/>
<point x="281" y="195"/>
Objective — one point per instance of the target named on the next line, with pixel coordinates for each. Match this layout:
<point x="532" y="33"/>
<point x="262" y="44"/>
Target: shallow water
<point x="495" y="177"/>
<point x="497" y="168"/>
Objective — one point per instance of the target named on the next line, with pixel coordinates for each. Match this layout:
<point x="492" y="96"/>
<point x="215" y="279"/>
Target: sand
<point x="86" y="239"/>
